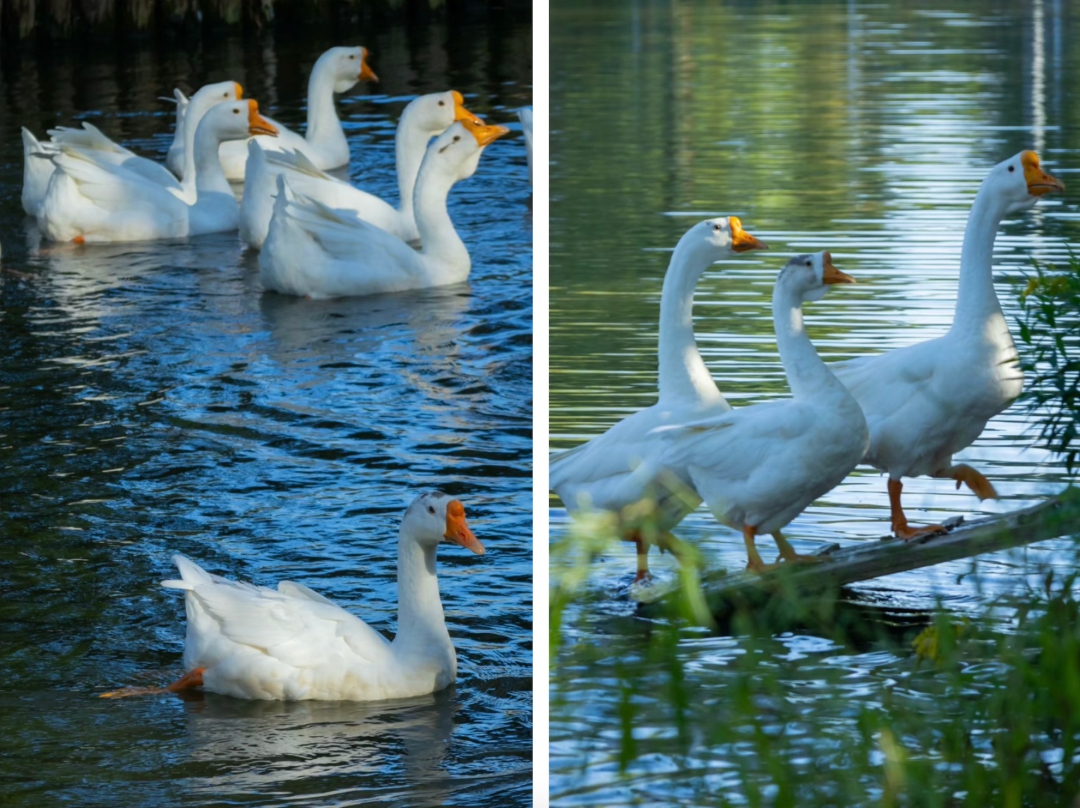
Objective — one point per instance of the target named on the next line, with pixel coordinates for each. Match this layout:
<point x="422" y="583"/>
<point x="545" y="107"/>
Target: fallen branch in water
<point x="727" y="592"/>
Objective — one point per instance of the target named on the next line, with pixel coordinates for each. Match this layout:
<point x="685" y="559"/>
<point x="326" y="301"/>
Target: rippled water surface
<point x="859" y="128"/>
<point x="155" y="401"/>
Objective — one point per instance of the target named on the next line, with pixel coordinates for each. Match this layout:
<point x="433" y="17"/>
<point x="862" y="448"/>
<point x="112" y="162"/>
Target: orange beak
<point x="462" y="114"/>
<point x="366" y="73"/>
<point x="484" y="134"/>
<point x="257" y="124"/>
<point x="834" y="275"/>
<point x="1038" y="181"/>
<point x="741" y="241"/>
<point x="457" y="531"/>
<point x="239" y="91"/>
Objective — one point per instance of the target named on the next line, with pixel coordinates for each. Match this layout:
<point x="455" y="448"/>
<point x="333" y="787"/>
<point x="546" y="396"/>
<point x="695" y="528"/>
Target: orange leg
<point x="754" y="561"/>
<point x="787" y="552"/>
<point x="899" y="521"/>
<point x="642" y="555"/>
<point x="975" y="480"/>
<point x="188" y="680"/>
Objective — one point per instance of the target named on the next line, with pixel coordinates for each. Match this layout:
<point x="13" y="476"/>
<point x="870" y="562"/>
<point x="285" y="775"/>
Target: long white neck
<point x="682" y="370"/>
<point x="323" y="125"/>
<point x="807" y="375"/>
<point x="209" y="176"/>
<point x="420" y="610"/>
<point x="410" y="144"/>
<point x="976" y="300"/>
<point x="195" y="113"/>
<point x="441" y="243"/>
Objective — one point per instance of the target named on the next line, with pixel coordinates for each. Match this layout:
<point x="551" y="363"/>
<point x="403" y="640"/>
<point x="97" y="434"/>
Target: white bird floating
<point x="424" y="118"/>
<point x="90" y="200"/>
<point x="758" y="467"/>
<point x="323" y="142"/>
<point x="293" y="644"/>
<point x="525" y="115"/>
<point x="925" y="402"/>
<point x="38" y="168"/>
<point x="618" y="471"/>
<point x="314" y="251"/>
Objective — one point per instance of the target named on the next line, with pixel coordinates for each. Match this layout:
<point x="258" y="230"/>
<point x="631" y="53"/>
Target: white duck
<point x="293" y="644"/>
<point x="313" y="251"/>
<point x="616" y="471"/>
<point x="38" y="166"/>
<point x="94" y="201"/>
<point x="927" y="401"/>
<point x="525" y="115"/>
<point x="423" y="118"/>
<point x="323" y="143"/>
<point x="759" y="466"/>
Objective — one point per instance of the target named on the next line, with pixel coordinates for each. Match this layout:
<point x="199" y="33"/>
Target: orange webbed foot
<point x="975" y="480"/>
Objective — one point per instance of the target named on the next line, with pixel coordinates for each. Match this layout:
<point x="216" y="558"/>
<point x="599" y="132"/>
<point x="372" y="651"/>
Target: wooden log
<point x="726" y="593"/>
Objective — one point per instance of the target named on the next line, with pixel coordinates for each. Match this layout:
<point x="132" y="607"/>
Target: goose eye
<point x="430" y="509"/>
<point x="457" y="138"/>
<point x="442" y="103"/>
<point x="809" y="263"/>
<point x="716" y="227"/>
<point x="236" y="112"/>
<point x="1012" y="168"/>
<point x="352" y="56"/>
<point x="225" y="95"/>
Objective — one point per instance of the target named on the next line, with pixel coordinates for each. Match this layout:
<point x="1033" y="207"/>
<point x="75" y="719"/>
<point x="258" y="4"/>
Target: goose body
<point x="39" y="167"/>
<point x="759" y="466"/>
<point x="423" y="118"/>
<point x="525" y="115"/>
<point x="323" y="143"/>
<point x="89" y="200"/>
<point x="291" y="643"/>
<point x="621" y="471"/>
<point x="314" y="251"/>
<point x="925" y="402"/>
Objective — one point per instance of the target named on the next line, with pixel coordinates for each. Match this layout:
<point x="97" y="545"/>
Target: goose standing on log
<point x="758" y="467"/>
<point x="618" y="471"/>
<point x="925" y="402"/>
<point x="292" y="644"/>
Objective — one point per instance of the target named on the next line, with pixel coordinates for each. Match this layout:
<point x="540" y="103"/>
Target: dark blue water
<point x="154" y="400"/>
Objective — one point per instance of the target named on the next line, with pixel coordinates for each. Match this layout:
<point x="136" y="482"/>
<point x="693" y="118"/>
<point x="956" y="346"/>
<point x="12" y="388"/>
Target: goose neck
<point x="209" y="177"/>
<point x="420" y="610"/>
<point x="807" y="374"/>
<point x="976" y="300"/>
<point x="437" y="234"/>
<point x="323" y="125"/>
<point x="410" y="143"/>
<point x="682" y="371"/>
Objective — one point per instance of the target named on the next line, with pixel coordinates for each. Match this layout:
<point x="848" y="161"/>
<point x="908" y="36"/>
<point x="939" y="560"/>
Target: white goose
<point x="927" y="401"/>
<point x="616" y="471"/>
<point x="423" y="118"/>
<point x="93" y="201"/>
<point x="293" y="644"/>
<point x="38" y="166"/>
<point x="759" y="466"/>
<point x="313" y="251"/>
<point x="323" y="143"/>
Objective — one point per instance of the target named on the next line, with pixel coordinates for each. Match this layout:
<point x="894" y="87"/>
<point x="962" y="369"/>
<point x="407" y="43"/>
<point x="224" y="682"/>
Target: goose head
<point x="345" y="66"/>
<point x="237" y="120"/>
<point x="210" y="95"/>
<point x="714" y="239"/>
<point x="459" y="147"/>
<point x="436" y="112"/>
<point x="810" y="276"/>
<point x="1020" y="181"/>
<point x="434" y="517"/>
